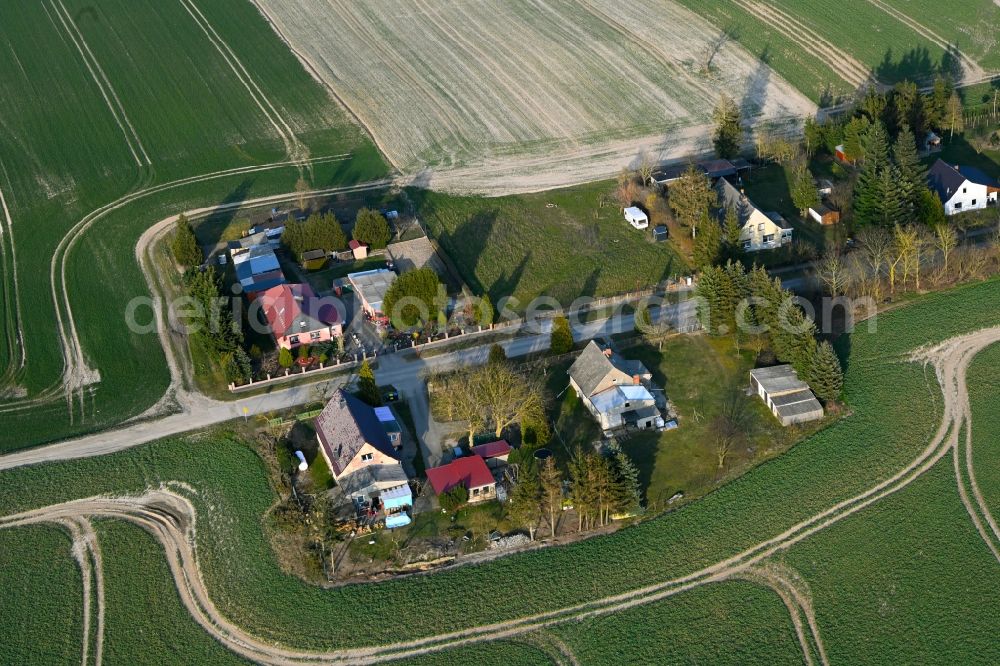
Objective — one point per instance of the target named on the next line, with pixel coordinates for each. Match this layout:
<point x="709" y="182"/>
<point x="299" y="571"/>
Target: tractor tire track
<point x="171" y="519"/>
<point x="789" y="587"/>
<point x="66" y="324"/>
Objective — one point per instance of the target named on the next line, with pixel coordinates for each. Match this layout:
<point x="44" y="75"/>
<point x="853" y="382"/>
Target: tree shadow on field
<point x="755" y="97"/>
<point x="916" y="64"/>
<point x="225" y="212"/>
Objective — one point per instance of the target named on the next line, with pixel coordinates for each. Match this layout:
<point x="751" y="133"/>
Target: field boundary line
<point x="18" y="320"/>
<point x="104" y="93"/>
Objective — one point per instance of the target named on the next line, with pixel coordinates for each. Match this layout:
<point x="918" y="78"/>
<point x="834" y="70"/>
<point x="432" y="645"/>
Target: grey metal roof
<point x="373" y="284"/>
<point x="799" y="403"/>
<point x="373" y="479"/>
<point x="778" y="380"/>
<point x="590" y="367"/>
<point x="944" y="179"/>
<point x="345" y="425"/>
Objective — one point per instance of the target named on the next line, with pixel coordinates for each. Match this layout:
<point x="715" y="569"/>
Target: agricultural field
<point x="162" y="107"/>
<point x="828" y="49"/>
<point x="563" y="244"/>
<point x="590" y="85"/>
<point x="885" y="433"/>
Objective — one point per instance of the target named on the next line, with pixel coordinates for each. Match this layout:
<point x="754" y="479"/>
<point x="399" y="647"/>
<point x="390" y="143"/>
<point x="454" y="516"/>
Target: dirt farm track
<point x="531" y="93"/>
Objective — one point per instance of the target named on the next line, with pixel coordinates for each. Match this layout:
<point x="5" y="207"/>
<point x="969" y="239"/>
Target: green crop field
<point x="147" y="104"/>
<point x="896" y="408"/>
<point x="562" y="244"/>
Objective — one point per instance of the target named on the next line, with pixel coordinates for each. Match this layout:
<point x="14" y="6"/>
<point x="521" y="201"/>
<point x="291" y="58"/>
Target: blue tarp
<point x="398" y="520"/>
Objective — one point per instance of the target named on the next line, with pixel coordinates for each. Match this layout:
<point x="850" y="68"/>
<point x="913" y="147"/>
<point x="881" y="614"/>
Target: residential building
<point x="788" y="397"/>
<point x="370" y="287"/>
<point x="614" y="390"/>
<point x="361" y="458"/>
<point x="760" y="230"/>
<point x="962" y="188"/>
<point x="469" y="471"/>
<point x="298" y="317"/>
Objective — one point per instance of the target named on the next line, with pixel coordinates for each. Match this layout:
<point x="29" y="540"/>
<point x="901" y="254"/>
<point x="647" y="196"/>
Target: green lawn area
<point x="959" y="151"/>
<point x="322" y="281"/>
<point x="698" y="372"/>
<point x="562" y="244"/>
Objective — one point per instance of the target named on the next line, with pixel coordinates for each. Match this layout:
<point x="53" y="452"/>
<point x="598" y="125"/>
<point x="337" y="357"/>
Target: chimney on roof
<point x="636" y="380"/>
<point x="607" y="353"/>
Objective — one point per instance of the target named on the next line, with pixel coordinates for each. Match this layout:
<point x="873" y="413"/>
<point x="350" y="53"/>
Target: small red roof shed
<point x="497" y="449"/>
<point x="470" y="472"/>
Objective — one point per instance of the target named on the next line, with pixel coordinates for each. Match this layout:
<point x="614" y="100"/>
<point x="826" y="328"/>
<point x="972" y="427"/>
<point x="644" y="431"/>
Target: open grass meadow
<point x="41" y="597"/>
<point x="896" y="408"/>
<point x="561" y="244"/>
<point x="984" y="381"/>
<point x="148" y="94"/>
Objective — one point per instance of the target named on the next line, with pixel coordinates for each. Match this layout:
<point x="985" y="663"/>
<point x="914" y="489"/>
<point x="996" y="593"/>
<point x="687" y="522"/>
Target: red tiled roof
<point x="470" y="471"/>
<point x="492" y="449"/>
<point x="354" y="244"/>
<point x="287" y="304"/>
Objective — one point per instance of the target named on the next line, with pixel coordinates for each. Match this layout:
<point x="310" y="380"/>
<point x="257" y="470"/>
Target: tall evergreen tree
<point x="628" y="491"/>
<point x="561" y="336"/>
<point x="826" y="376"/>
<point x="804" y="194"/>
<point x="731" y="229"/>
<point x="550" y="479"/>
<point x="525" y="508"/>
<point x="912" y="173"/>
<point x="367" y="388"/>
<point x="728" y="135"/>
<point x="185" y="246"/>
<point x="708" y="243"/>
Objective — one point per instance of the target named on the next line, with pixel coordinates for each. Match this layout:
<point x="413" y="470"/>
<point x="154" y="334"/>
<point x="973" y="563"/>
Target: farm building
<point x="361" y="458"/>
<point x="391" y="426"/>
<point x="760" y="230"/>
<point x="494" y="453"/>
<point x="469" y="471"/>
<point x="636" y="217"/>
<point x="358" y="249"/>
<point x="614" y="390"/>
<point x="824" y="214"/>
<point x="313" y="260"/>
<point x="297" y="317"/>
<point x="962" y="188"/>
<point x="789" y="398"/>
<point x="370" y="287"/>
<point x="258" y="270"/>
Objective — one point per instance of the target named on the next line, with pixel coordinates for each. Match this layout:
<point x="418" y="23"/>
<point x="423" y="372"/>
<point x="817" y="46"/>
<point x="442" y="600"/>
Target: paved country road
<point x="404" y="370"/>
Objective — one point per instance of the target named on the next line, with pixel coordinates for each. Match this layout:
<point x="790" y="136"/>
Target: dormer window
<point x="964" y="190"/>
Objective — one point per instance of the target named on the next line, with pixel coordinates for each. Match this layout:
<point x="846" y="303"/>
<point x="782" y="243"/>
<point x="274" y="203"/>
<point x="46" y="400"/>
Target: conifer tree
<point x="185" y="246"/>
<point x="912" y="173"/>
<point x="525" y="508"/>
<point x="550" y="479"/>
<point x="804" y="194"/>
<point x="708" y="242"/>
<point x="367" y="388"/>
<point x="731" y="229"/>
<point x="628" y="492"/>
<point x="826" y="376"/>
<point x="728" y="135"/>
<point x="561" y="337"/>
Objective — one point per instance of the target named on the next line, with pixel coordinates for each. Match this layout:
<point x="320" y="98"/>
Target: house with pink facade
<point x="298" y="317"/>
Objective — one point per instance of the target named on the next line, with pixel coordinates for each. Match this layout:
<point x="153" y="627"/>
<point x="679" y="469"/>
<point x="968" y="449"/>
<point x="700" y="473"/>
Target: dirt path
<point x="794" y="593"/>
<point x="846" y="66"/>
<point x="171" y="519"/>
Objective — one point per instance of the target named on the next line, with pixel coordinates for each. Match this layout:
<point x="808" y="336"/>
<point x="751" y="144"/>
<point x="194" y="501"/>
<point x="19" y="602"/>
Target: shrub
<point x="561" y="337"/>
<point x="452" y="500"/>
<point x="372" y="228"/>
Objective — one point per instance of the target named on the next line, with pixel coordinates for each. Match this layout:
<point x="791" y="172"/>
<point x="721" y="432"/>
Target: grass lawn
<point x="572" y="424"/>
<point x="698" y="372"/>
<point x="959" y="151"/>
<point x="563" y="244"/>
<point x="322" y="281"/>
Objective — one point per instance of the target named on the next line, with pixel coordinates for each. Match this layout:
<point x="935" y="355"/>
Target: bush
<point x="285" y="359"/>
<point x="452" y="500"/>
<point x="421" y="285"/>
<point x="372" y="228"/>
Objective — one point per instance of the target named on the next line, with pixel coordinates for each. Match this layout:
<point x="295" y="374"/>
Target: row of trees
<point x="213" y="324"/>
<point x="601" y="485"/>
<point x="318" y="232"/>
<point x="735" y="301"/>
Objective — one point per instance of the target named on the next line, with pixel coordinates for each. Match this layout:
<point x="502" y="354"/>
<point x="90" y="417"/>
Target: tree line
<point x="214" y="325"/>
<point x="733" y="298"/>
<point x="324" y="232"/>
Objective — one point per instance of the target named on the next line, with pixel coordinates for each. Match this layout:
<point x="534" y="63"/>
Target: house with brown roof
<point x="298" y="317"/>
<point x="361" y="458"/>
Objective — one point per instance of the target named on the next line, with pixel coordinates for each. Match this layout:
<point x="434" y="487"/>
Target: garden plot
<point x="526" y="94"/>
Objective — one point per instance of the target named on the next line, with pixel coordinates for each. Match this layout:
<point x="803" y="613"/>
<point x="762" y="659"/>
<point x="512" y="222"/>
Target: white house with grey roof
<point x="789" y="398"/>
<point x="962" y="188"/>
<point x="615" y="390"/>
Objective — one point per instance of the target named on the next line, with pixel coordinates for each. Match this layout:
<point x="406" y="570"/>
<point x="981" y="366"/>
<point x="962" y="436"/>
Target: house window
<point x="769" y="238"/>
<point x="746" y="245"/>
<point x="294" y="340"/>
<point x="367" y="456"/>
<point x="626" y="404"/>
<point x="958" y="205"/>
<point x="964" y="190"/>
<point x="760" y="227"/>
<point x="973" y="202"/>
<point x="314" y="335"/>
<point x="475" y="492"/>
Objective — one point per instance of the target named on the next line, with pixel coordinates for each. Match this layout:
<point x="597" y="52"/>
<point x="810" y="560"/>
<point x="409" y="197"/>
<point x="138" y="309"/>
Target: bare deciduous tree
<point x="732" y="425"/>
<point x="945" y="240"/>
<point x="833" y="273"/>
